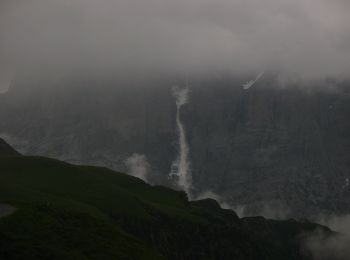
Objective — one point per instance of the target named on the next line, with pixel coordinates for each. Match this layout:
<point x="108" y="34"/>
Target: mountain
<point x="65" y="211"/>
<point x="272" y="148"/>
<point x="275" y="149"/>
<point x="6" y="149"/>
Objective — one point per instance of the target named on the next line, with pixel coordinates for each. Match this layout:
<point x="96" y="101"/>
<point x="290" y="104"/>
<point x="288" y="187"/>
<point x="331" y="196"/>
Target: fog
<point x="138" y="166"/>
<point x="323" y="246"/>
<point x="307" y="38"/>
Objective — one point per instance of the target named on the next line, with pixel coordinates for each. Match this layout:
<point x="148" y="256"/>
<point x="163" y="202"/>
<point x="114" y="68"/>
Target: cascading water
<point x="181" y="166"/>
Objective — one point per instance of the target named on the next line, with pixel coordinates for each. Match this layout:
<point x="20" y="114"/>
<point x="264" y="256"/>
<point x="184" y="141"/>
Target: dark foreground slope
<point x="80" y="212"/>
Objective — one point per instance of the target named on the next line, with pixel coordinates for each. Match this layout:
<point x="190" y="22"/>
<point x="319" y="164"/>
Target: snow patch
<point x="250" y="83"/>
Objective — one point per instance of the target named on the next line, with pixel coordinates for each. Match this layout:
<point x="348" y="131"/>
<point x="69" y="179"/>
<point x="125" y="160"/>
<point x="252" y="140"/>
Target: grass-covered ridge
<point x="81" y="212"/>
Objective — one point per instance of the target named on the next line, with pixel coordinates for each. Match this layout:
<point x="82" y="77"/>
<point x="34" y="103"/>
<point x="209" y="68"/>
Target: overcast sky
<point x="305" y="37"/>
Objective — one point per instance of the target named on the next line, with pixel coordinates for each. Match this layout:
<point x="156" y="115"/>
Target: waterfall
<point x="181" y="166"/>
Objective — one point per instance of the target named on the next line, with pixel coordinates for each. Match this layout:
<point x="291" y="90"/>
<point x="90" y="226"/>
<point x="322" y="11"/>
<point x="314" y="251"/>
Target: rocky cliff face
<point x="272" y="149"/>
<point x="283" y="151"/>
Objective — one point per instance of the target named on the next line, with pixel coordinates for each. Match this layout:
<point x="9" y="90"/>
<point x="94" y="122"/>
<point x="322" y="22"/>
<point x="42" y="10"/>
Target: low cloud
<point x="308" y="38"/>
<point x="335" y="247"/>
<point x="138" y="166"/>
<point x="322" y="246"/>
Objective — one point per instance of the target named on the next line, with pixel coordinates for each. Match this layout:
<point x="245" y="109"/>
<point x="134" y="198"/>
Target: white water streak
<point x="181" y="166"/>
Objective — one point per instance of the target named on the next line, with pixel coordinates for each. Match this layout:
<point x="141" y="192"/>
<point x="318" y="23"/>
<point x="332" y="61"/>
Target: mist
<point x="138" y="166"/>
<point x="335" y="247"/>
<point x="301" y="38"/>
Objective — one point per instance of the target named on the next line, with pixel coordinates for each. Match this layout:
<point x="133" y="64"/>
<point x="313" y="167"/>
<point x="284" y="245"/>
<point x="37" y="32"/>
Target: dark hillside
<point x="82" y="212"/>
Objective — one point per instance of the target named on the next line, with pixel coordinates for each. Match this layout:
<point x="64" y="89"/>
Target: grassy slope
<point x="97" y="191"/>
<point x="55" y="196"/>
<point x="83" y="200"/>
<point x="81" y="212"/>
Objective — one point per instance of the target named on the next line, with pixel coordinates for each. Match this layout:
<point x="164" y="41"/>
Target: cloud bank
<point x="303" y="37"/>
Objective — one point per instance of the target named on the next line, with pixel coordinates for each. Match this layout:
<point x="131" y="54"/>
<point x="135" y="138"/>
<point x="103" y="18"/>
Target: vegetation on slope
<point x="82" y="212"/>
